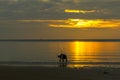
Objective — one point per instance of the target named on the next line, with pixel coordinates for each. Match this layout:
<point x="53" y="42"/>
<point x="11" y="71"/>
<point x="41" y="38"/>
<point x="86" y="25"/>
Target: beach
<point x="58" y="73"/>
<point x="39" y="61"/>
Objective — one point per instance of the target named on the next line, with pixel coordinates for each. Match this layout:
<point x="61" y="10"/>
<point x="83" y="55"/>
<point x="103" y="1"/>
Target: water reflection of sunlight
<point x="78" y="49"/>
<point x="83" y="50"/>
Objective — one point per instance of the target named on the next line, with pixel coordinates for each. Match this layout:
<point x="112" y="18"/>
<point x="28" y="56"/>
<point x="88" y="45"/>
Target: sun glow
<point x="86" y="23"/>
<point x="78" y="23"/>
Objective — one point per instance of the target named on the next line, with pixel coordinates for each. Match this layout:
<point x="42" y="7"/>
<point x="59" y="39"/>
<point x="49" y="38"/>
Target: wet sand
<point x="58" y="73"/>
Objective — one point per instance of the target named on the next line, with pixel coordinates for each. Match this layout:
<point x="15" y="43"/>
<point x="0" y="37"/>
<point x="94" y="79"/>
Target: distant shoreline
<point x="59" y="40"/>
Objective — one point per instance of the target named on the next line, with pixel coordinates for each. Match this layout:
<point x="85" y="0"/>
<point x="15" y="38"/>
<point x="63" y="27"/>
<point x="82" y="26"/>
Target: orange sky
<point x="48" y="19"/>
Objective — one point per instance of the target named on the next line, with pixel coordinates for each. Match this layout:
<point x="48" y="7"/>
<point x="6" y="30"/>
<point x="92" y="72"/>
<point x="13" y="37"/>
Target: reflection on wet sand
<point x="62" y="64"/>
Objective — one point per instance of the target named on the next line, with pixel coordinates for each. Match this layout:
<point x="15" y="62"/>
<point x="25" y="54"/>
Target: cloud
<point x="44" y="0"/>
<point x="79" y="11"/>
<point x="79" y="23"/>
<point x="53" y="9"/>
<point x="87" y="24"/>
<point x="38" y="21"/>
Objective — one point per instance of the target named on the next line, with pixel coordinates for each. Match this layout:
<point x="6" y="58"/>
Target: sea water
<point x="44" y="53"/>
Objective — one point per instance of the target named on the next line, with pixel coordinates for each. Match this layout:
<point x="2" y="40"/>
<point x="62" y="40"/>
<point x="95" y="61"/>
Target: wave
<point x="58" y="64"/>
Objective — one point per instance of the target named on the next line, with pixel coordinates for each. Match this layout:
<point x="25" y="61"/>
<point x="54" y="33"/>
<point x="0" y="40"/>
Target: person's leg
<point x="59" y="60"/>
<point x="62" y="60"/>
<point x="66" y="59"/>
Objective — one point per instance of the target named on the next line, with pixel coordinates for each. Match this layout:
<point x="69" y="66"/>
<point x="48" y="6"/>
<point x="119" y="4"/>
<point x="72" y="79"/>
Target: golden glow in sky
<point x="78" y="23"/>
<point x="78" y="11"/>
<point x="87" y="23"/>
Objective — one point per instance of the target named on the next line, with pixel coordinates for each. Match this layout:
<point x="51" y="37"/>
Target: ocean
<point x="44" y="53"/>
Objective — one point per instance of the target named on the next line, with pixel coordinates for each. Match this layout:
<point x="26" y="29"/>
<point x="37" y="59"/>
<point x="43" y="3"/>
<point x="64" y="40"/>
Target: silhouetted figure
<point x="63" y="57"/>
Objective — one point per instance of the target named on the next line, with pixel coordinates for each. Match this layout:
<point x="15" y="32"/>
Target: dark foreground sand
<point x="58" y="73"/>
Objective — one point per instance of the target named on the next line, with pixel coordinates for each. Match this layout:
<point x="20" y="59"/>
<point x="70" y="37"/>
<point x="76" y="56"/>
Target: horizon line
<point x="57" y="40"/>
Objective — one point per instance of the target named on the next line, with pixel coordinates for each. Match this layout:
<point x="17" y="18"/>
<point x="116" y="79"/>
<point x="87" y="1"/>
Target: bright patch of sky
<point x="41" y="18"/>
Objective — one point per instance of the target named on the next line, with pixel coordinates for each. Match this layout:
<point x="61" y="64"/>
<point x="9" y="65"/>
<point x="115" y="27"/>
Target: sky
<point x="59" y="19"/>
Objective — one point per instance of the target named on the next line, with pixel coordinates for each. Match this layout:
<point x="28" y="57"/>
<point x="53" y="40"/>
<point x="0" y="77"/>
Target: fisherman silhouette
<point x="62" y="57"/>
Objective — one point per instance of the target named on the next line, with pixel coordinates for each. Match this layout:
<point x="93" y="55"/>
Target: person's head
<point x="58" y="55"/>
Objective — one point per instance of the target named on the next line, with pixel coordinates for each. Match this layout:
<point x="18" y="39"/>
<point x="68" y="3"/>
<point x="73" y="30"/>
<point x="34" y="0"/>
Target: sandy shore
<point x="58" y="73"/>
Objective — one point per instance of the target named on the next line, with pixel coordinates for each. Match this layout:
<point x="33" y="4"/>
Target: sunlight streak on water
<point x="79" y="53"/>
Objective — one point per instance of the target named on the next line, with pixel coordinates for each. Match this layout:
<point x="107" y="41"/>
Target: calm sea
<point x="44" y="53"/>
